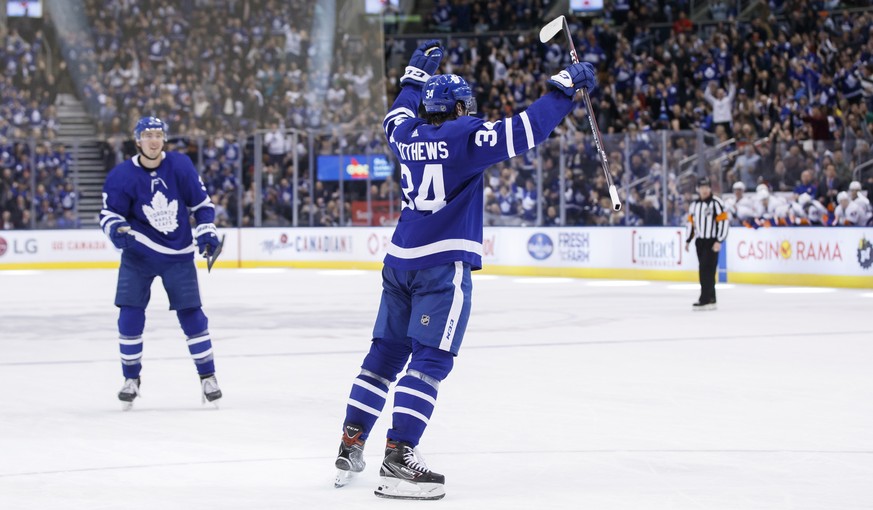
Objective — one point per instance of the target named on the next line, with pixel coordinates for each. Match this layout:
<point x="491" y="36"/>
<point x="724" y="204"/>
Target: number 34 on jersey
<point x="427" y="195"/>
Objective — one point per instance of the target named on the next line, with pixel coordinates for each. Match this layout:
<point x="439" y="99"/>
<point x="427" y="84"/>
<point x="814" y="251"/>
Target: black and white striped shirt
<point x="707" y="219"/>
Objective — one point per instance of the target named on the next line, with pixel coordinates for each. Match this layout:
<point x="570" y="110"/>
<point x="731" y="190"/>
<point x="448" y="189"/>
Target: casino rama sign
<point x="788" y="250"/>
<point x="357" y="167"/>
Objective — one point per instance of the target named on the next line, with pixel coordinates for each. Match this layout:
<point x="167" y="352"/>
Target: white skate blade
<point x="395" y="488"/>
<point x="213" y="402"/>
<point x="126" y="406"/>
<point x="343" y="478"/>
<point x="705" y="308"/>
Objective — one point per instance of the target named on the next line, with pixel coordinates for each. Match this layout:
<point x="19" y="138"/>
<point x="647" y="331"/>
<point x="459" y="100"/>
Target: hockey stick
<point x="549" y="31"/>
<point x="210" y="257"/>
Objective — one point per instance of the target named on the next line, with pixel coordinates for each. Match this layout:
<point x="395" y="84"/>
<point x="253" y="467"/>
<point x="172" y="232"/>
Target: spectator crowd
<point x="781" y="98"/>
<point x="35" y="184"/>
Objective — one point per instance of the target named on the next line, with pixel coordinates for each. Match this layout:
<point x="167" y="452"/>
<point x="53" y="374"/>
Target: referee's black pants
<point x="708" y="265"/>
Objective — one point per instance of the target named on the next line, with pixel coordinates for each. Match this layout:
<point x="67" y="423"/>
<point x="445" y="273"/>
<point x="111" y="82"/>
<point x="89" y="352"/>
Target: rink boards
<point x="806" y="256"/>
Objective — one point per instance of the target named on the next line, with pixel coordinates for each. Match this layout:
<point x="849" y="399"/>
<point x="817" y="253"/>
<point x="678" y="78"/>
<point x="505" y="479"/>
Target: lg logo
<point x="28" y="246"/>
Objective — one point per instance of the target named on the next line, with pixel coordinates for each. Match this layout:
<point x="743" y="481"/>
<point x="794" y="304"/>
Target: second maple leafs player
<point x="147" y="201"/>
<point x="435" y="246"/>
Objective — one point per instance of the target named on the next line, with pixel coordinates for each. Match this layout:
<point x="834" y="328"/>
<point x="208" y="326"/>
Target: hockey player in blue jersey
<point x="147" y="201"/>
<point x="437" y="243"/>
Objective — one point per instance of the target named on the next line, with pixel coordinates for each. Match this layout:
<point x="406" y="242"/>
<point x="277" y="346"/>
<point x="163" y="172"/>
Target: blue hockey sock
<point x="195" y="326"/>
<point x="370" y="389"/>
<point x="366" y="401"/>
<point x="414" y="402"/>
<point x="415" y="395"/>
<point x="131" y="323"/>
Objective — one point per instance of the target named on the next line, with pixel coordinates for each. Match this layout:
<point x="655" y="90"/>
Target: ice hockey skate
<point x="350" y="459"/>
<point x="702" y="307"/>
<point x="211" y="391"/>
<point x="404" y="475"/>
<point x="128" y="393"/>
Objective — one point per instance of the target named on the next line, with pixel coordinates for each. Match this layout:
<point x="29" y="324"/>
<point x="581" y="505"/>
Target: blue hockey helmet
<point x="148" y="124"/>
<point x="442" y="91"/>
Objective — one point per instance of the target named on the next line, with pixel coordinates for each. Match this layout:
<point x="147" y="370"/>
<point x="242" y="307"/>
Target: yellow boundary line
<point x="804" y="280"/>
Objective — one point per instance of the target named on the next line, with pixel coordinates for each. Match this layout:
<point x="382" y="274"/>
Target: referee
<point x="709" y="223"/>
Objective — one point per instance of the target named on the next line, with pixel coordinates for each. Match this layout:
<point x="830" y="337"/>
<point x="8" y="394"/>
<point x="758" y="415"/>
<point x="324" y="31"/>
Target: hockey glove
<point x="207" y="238"/>
<point x="575" y="77"/>
<point x="424" y="62"/>
<point x="120" y="235"/>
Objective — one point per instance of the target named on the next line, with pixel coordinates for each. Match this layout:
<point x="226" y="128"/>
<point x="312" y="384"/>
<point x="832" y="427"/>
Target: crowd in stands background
<point x="34" y="169"/>
<point x="787" y="93"/>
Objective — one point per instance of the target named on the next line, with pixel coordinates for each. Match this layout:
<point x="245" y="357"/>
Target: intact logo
<point x="540" y="246"/>
<point x="3" y="246"/>
<point x="865" y="253"/>
<point x="425" y="320"/>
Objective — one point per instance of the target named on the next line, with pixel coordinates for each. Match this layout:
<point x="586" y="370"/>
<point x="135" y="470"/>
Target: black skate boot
<point x="211" y="391"/>
<point x="406" y="476"/>
<point x="350" y="459"/>
<point x="128" y="392"/>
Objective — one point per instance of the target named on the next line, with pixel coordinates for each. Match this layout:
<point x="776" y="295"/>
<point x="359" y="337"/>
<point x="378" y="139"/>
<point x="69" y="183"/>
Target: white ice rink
<point x="568" y="394"/>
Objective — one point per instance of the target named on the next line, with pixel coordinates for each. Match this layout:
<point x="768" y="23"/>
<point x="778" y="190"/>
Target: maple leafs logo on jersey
<point x="162" y="214"/>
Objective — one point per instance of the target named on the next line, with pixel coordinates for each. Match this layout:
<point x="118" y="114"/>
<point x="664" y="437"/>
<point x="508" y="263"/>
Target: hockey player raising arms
<point x="437" y="243"/>
<point x="146" y="204"/>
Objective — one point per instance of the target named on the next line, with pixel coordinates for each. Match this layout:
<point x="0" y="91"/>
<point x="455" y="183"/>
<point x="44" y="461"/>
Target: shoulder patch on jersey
<point x="414" y="133"/>
<point x="162" y="214"/>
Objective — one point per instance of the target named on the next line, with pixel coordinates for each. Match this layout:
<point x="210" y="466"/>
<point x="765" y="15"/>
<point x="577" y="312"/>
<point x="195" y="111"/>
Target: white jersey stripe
<point x="510" y="143"/>
<point x="371" y="388"/>
<point x="415" y="393"/>
<point x="437" y="247"/>
<point x="205" y="203"/>
<point x="158" y="248"/>
<point x="528" y="131"/>
<point x="412" y="412"/>
<point x="107" y="228"/>
<point x="455" y="311"/>
<point x="364" y="407"/>
<point x="398" y="111"/>
<point x="107" y="215"/>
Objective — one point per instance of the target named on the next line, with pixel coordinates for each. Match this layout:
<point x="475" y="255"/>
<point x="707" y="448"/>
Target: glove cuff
<point x="415" y="75"/>
<point x="205" y="228"/>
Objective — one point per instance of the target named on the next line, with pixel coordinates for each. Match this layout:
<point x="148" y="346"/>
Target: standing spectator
<point x="746" y="168"/>
<point x="274" y="142"/>
<point x="829" y="186"/>
<point x="795" y="164"/>
<point x="708" y="223"/>
<point x="722" y="106"/>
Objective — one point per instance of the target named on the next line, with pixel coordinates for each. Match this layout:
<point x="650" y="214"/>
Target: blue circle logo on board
<point x="540" y="246"/>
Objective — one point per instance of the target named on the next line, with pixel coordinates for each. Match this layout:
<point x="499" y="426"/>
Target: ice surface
<point x="576" y="394"/>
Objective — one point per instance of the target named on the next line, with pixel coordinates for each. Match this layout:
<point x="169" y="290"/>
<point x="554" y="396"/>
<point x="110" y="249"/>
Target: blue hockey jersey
<point x="442" y="171"/>
<point x="157" y="204"/>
